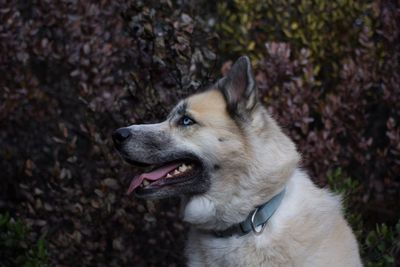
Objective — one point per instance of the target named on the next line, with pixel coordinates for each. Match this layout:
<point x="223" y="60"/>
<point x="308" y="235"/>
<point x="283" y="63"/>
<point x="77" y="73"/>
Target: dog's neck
<point x="203" y="214"/>
<point x="255" y="221"/>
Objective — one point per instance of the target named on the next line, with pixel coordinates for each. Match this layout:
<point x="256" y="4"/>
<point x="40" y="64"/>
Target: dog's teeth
<point x="146" y="183"/>
<point x="176" y="172"/>
<point x="168" y="175"/>
<point x="182" y="168"/>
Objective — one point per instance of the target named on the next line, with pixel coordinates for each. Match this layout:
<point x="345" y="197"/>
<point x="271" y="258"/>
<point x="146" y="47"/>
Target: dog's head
<point x="220" y="143"/>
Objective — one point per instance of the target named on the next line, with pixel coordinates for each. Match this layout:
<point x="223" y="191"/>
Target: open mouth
<point x="168" y="174"/>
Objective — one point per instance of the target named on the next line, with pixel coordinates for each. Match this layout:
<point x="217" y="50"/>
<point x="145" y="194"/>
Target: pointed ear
<point x="239" y="87"/>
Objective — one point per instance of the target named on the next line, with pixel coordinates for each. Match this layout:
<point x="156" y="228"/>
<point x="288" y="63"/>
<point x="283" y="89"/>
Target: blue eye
<point x="186" y="121"/>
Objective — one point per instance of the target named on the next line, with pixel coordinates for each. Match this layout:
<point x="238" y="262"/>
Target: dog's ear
<point x="239" y="87"/>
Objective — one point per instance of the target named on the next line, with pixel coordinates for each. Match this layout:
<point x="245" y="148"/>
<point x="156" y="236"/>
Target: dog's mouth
<point x="164" y="175"/>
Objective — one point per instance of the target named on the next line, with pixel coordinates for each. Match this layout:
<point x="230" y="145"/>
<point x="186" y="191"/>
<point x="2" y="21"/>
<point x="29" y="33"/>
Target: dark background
<point x="71" y="72"/>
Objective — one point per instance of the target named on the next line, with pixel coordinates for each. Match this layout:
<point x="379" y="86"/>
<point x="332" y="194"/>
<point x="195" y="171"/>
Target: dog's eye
<point x="186" y="121"/>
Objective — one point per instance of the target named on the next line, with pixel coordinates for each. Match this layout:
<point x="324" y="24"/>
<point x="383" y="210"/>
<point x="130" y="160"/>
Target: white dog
<point x="247" y="200"/>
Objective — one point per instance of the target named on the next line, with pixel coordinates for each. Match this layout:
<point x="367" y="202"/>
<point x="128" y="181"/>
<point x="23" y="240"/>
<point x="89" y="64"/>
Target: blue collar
<point x="255" y="221"/>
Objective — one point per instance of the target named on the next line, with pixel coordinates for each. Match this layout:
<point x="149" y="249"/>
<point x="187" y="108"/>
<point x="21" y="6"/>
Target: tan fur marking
<point x="210" y="109"/>
<point x="208" y="105"/>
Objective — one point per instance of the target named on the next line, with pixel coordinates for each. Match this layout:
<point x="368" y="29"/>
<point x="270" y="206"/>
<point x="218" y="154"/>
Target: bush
<point x="15" y="247"/>
<point x="329" y="72"/>
<point x="327" y="29"/>
<point x="348" y="115"/>
<point x="379" y="245"/>
<point x="73" y="71"/>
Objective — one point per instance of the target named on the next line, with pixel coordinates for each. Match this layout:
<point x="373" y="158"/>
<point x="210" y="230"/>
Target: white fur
<point x="307" y="230"/>
<point x="199" y="210"/>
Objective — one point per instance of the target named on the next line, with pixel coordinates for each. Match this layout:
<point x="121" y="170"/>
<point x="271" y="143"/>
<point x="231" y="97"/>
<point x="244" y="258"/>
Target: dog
<point x="243" y="193"/>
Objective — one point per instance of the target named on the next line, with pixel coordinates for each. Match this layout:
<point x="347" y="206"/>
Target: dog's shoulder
<point x="303" y="197"/>
<point x="309" y="220"/>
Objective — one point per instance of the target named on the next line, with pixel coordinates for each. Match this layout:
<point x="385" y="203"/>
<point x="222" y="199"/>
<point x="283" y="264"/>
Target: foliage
<point x="342" y="184"/>
<point x="353" y="127"/>
<point x="175" y="56"/>
<point x="353" y="123"/>
<point x="329" y="72"/>
<point x="327" y="29"/>
<point x="73" y="71"/>
<point x="379" y="245"/>
<point x="15" y="248"/>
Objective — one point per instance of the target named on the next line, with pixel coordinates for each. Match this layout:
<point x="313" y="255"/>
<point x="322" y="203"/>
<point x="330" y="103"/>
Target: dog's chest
<point x="206" y="250"/>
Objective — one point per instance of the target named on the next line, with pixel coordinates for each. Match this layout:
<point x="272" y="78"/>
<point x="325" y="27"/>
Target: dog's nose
<point x="120" y="135"/>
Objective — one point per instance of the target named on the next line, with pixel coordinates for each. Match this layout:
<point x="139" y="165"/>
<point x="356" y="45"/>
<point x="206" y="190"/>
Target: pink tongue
<point x="153" y="176"/>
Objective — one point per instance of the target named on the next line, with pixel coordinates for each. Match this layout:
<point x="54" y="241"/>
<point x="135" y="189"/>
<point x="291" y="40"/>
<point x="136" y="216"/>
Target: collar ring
<point x="253" y="225"/>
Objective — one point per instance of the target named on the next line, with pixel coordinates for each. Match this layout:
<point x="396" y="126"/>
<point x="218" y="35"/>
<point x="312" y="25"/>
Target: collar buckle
<point x="253" y="225"/>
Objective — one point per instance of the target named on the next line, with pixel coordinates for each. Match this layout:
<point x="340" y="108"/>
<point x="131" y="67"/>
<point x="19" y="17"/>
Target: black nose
<point x="121" y="135"/>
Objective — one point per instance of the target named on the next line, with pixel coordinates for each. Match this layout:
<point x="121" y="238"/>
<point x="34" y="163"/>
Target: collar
<point x="258" y="217"/>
